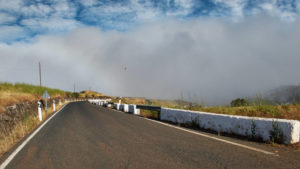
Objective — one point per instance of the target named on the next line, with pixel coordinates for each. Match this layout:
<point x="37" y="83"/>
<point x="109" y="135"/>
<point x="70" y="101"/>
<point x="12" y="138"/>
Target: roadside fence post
<point x="40" y="111"/>
<point x="53" y="105"/>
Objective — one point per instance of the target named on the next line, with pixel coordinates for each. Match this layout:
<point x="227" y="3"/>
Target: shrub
<point x="238" y="102"/>
<point x="253" y="129"/>
<point x="276" y="134"/>
<point x="75" y="94"/>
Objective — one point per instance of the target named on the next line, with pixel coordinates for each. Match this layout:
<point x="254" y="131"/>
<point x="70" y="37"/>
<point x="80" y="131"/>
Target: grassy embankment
<point x="257" y="109"/>
<point x="11" y="94"/>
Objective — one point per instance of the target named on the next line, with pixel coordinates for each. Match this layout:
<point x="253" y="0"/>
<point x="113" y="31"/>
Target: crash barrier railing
<point x="151" y="108"/>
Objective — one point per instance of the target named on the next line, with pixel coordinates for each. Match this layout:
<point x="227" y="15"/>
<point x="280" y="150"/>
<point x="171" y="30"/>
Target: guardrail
<point x="147" y="107"/>
<point x="151" y="108"/>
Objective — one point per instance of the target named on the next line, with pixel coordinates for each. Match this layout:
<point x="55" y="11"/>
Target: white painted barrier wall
<point x="121" y="107"/>
<point x="126" y="108"/>
<point x="116" y="106"/>
<point x="240" y="125"/>
<point x="133" y="109"/>
<point x="99" y="100"/>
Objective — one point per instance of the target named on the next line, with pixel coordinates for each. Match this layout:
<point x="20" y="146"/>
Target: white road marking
<point x="12" y="155"/>
<point x="211" y="137"/>
<point x="215" y="138"/>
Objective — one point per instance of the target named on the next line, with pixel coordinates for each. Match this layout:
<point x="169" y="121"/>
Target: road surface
<point x="83" y="135"/>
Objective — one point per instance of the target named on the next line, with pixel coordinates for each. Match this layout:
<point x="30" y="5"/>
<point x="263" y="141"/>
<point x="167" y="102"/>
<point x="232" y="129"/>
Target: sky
<point x="206" y="51"/>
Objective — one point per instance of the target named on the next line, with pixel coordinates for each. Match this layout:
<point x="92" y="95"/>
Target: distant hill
<point x="90" y="94"/>
<point x="284" y="95"/>
<point x="155" y="102"/>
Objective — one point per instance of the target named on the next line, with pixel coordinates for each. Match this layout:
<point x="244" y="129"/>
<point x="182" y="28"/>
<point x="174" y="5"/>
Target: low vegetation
<point x="149" y="114"/>
<point x="11" y="94"/>
<point x="290" y="111"/>
<point x="89" y="94"/>
<point x="238" y="102"/>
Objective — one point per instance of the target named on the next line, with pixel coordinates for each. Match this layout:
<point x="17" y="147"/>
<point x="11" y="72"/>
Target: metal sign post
<point x="46" y="96"/>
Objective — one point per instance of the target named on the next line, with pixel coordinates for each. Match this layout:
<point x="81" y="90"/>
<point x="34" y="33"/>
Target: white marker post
<point x="60" y="102"/>
<point x="40" y="111"/>
<point x="53" y="105"/>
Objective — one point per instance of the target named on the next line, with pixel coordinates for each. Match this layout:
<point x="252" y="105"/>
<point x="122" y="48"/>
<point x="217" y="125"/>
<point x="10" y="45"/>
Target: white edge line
<point x="12" y="155"/>
<point x="214" y="138"/>
<point x="211" y="137"/>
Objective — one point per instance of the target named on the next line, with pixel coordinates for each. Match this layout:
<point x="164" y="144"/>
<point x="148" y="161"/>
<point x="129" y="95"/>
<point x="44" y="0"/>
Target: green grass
<point x="149" y="114"/>
<point x="27" y="88"/>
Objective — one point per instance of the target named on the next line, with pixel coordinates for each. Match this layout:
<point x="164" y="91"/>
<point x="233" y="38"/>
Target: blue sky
<point x="20" y="20"/>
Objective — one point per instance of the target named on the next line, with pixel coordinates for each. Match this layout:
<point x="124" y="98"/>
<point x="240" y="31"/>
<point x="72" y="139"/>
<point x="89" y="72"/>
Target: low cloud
<point x="211" y="61"/>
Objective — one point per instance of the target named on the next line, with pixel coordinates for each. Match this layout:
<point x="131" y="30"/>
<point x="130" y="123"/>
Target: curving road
<point x="88" y="136"/>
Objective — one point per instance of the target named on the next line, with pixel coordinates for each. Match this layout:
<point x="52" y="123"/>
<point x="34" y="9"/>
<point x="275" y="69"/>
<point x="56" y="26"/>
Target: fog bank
<point x="210" y="60"/>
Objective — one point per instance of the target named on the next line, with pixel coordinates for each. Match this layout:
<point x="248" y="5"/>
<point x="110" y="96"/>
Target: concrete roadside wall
<point x="116" y="106"/>
<point x="17" y="113"/>
<point x="98" y="101"/>
<point x="121" y="107"/>
<point x="133" y="109"/>
<point x="126" y="108"/>
<point x="240" y="125"/>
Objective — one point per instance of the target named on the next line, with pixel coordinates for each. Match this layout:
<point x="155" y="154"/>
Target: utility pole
<point x="40" y="70"/>
<point x="74" y="88"/>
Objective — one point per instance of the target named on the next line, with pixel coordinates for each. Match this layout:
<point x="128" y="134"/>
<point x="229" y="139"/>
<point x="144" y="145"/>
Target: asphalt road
<point x="88" y="136"/>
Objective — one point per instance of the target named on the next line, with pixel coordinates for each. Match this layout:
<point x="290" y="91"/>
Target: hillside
<point x="284" y="95"/>
<point x="91" y="94"/>
<point x="155" y="102"/>
<point x="11" y="94"/>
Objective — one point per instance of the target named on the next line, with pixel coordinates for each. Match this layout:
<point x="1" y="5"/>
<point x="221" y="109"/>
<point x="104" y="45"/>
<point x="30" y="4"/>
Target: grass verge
<point x="27" y="125"/>
<point x="149" y="114"/>
<point x="11" y="94"/>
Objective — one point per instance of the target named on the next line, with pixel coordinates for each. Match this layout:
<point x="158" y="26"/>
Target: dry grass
<point x="149" y="114"/>
<point x="90" y="94"/>
<point x="291" y="111"/>
<point x="11" y="98"/>
<point x="11" y="94"/>
<point x="24" y="127"/>
<point x="132" y="100"/>
<point x="143" y="101"/>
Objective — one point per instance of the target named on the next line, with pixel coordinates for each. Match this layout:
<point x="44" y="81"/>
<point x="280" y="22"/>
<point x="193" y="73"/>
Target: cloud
<point x="6" y="18"/>
<point x="36" y="10"/>
<point x="52" y="25"/>
<point x="12" y="33"/>
<point x="14" y="5"/>
<point x="211" y="61"/>
<point x="236" y="7"/>
<point x="127" y="15"/>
